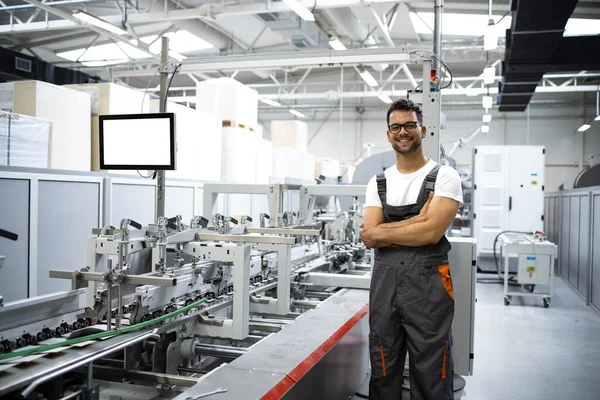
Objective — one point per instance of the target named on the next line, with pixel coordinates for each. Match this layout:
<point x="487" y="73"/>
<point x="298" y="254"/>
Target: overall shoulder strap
<point x="428" y="184"/>
<point x="381" y="186"/>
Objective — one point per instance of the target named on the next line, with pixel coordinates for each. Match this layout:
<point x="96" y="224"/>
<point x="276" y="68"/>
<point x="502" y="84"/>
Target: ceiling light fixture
<point x="299" y="9"/>
<point x="490" y="37"/>
<point x="485" y="128"/>
<point x="271" y="102"/>
<point x="486" y="101"/>
<point x="367" y="77"/>
<point x="90" y="19"/>
<point x="584" y="128"/>
<point x="336" y="44"/>
<point x="489" y="75"/>
<point x="597" y="118"/>
<point x="386" y="99"/>
<point x="487" y="118"/>
<point x="297" y="113"/>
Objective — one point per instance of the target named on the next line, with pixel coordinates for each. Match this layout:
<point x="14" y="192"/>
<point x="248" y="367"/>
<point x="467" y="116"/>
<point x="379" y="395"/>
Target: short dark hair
<point x="405" y="105"/>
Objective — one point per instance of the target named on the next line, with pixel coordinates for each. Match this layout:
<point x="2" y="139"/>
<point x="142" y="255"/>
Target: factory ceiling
<point x="534" y="46"/>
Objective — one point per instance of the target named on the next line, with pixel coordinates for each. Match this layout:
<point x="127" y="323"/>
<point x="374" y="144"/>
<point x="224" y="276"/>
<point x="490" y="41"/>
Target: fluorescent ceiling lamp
<point x="180" y="42"/>
<point x="105" y="52"/>
<point x="490" y="37"/>
<point x="486" y="101"/>
<point x="102" y="63"/>
<point x="487" y="118"/>
<point x="489" y="75"/>
<point x="584" y="128"/>
<point x="90" y="19"/>
<point x="297" y="113"/>
<point x="299" y="9"/>
<point x="385" y="99"/>
<point x="580" y="26"/>
<point x="597" y="118"/>
<point x="456" y="24"/>
<point x="485" y="128"/>
<point x="336" y="44"/>
<point x="367" y="77"/>
<point x="271" y="102"/>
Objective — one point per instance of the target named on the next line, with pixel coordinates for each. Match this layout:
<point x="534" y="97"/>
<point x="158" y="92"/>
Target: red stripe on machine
<point x="297" y="373"/>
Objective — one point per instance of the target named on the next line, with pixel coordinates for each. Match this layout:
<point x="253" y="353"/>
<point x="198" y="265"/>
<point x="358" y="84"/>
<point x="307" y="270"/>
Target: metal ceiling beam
<point x="383" y="27"/>
<point x="69" y="17"/>
<point x="322" y="58"/>
<point x="212" y="11"/>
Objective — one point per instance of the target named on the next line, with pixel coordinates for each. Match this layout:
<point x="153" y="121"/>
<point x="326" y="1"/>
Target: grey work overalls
<point x="411" y="306"/>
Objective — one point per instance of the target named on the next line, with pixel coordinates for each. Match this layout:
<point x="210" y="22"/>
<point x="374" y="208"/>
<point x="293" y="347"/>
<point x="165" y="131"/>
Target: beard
<point x="414" y="145"/>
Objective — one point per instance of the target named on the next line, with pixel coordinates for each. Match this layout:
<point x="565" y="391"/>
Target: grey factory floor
<point x="526" y="352"/>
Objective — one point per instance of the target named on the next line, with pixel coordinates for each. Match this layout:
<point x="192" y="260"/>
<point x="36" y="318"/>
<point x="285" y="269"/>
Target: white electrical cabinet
<point x="508" y="194"/>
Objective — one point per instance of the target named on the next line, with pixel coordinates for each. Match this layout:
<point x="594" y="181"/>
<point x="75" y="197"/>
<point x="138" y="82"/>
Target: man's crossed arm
<point x="428" y="227"/>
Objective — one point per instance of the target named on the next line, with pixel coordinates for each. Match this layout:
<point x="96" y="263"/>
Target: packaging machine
<point x="178" y="310"/>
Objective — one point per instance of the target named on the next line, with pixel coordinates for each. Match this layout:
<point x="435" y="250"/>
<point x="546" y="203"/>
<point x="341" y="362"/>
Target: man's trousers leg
<point x="387" y="338"/>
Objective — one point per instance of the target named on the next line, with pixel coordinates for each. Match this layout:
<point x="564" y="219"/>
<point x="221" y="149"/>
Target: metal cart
<point x="535" y="264"/>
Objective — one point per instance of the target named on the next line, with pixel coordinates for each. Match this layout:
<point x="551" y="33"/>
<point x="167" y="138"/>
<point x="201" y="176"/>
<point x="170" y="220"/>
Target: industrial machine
<point x="535" y="257"/>
<point x="185" y="309"/>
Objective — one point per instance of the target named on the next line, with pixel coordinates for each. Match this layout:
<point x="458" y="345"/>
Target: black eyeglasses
<point x="408" y="127"/>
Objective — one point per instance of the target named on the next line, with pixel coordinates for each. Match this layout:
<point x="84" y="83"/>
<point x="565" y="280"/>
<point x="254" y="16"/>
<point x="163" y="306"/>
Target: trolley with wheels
<point x="536" y="257"/>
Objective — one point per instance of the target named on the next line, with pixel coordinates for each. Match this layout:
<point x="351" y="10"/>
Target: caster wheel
<point x="506" y="301"/>
<point x="546" y="303"/>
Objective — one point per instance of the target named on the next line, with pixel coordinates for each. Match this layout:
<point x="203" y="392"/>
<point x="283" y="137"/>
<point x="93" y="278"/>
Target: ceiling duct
<point x="532" y="42"/>
<point x="300" y="33"/>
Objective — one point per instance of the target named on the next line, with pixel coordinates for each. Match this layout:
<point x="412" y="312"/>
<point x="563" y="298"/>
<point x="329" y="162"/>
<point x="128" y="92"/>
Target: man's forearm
<point x="398" y="224"/>
<point x="412" y="235"/>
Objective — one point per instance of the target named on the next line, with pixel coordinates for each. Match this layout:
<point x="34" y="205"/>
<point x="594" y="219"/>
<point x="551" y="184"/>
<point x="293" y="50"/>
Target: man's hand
<point x="369" y="236"/>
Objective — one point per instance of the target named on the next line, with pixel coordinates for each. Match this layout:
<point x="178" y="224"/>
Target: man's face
<point x="403" y="140"/>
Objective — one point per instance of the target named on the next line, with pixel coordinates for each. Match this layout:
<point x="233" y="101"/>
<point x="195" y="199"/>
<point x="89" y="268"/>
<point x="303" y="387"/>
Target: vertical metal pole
<point x="109" y="306"/>
<point x="90" y="375"/>
<point x="340" y="138"/>
<point x="160" y="177"/>
<point x="119" y="315"/>
<point x="437" y="33"/>
<point x="588" y="298"/>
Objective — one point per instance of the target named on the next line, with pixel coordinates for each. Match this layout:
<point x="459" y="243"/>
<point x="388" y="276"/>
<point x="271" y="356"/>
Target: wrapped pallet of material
<point x="24" y="140"/>
<point x="308" y="167"/>
<point x="199" y="143"/>
<point x="69" y="112"/>
<point x="290" y="133"/>
<point x="238" y="165"/>
<point x="110" y="99"/>
<point x="264" y="161"/>
<point x="287" y="162"/>
<point x="228" y="100"/>
<point x="328" y="167"/>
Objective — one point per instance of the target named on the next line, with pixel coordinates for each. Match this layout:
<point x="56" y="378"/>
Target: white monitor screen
<point x="138" y="141"/>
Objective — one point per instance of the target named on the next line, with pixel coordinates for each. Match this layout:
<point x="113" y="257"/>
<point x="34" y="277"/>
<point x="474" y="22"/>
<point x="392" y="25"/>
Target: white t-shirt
<point x="404" y="189"/>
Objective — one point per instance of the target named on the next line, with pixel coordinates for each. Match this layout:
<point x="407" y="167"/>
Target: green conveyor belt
<point x="100" y="335"/>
